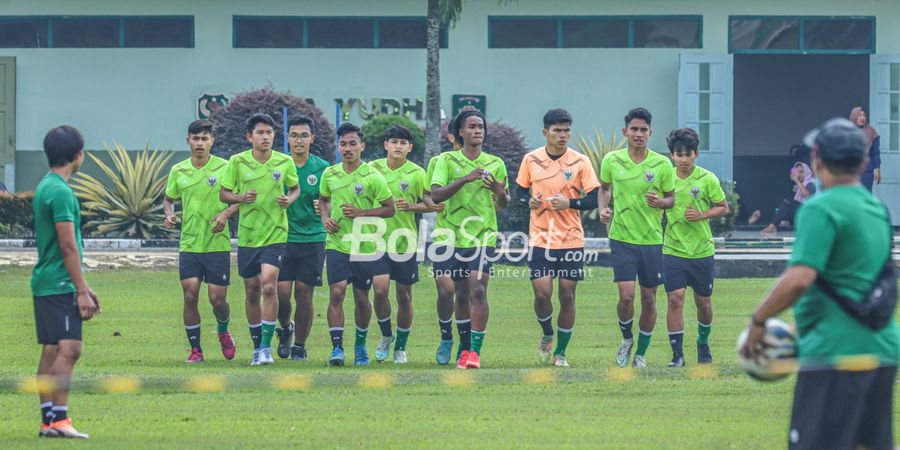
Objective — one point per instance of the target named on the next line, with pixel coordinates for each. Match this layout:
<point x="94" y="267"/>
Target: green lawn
<point x="589" y="405"/>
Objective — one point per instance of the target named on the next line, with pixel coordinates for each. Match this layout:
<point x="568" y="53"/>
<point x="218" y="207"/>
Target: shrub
<point x="374" y="137"/>
<point x="230" y="121"/>
<point x="16" y="215"/>
<point x="723" y="226"/>
<point x="132" y="206"/>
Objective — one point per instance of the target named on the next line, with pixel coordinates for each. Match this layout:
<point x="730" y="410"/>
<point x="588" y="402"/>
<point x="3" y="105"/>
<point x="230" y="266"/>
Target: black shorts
<point x="303" y="262"/>
<point x="842" y="409"/>
<point x="250" y="259"/>
<point x="404" y="269"/>
<point x="631" y="261"/>
<point x="359" y="273"/>
<point x="565" y="263"/>
<point x="698" y="273"/>
<point x="57" y="318"/>
<point x="457" y="263"/>
<point x="213" y="267"/>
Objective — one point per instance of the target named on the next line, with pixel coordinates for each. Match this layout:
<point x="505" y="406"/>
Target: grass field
<point x="590" y="404"/>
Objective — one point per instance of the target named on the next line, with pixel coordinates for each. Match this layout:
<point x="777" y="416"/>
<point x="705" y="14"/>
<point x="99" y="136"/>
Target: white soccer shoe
<point x="624" y="352"/>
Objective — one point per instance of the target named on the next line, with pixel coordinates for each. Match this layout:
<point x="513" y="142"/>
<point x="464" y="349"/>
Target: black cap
<point x="839" y="140"/>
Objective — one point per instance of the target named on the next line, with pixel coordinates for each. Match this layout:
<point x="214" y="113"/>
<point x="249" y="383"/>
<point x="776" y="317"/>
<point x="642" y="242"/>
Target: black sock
<point x="60" y="412"/>
<point x="256" y="335"/>
<point x="47" y="413"/>
<point x="465" y="335"/>
<point x="385" y="325"/>
<point x="547" y="325"/>
<point x="626" y="329"/>
<point x="193" y="334"/>
<point x="676" y="340"/>
<point x="337" y="337"/>
<point x="446" y="329"/>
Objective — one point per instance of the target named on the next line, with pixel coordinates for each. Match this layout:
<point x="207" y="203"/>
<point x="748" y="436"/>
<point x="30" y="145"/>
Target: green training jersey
<point x="700" y="190"/>
<point x="198" y="190"/>
<point x="844" y="234"/>
<point x="54" y="201"/>
<point x="304" y="225"/>
<point x="440" y="218"/>
<point x="363" y="188"/>
<point x="262" y="222"/>
<point x="406" y="182"/>
<point x="471" y="213"/>
<point x="634" y="221"/>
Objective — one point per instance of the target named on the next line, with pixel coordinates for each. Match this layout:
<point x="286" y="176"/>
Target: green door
<point x="8" y="122"/>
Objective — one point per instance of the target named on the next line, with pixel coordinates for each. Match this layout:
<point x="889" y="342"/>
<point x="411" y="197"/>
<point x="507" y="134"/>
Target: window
<point x="595" y="32"/>
<point x="331" y="32"/>
<point x="772" y="34"/>
<point x="96" y="32"/>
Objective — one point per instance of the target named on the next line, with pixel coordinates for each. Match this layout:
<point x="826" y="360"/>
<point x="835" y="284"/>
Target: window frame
<point x="306" y="19"/>
<point x="120" y="23"/>
<point x="630" y="24"/>
<point x="802" y="50"/>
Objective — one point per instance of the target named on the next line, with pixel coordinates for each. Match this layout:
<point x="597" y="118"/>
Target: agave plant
<point x="131" y="206"/>
<point x="595" y="148"/>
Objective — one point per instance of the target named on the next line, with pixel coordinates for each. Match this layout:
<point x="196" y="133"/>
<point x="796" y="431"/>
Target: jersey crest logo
<point x="312" y="180"/>
<point x="358" y="189"/>
<point x="211" y="181"/>
<point x="695" y="192"/>
<point x="404" y="186"/>
<point x="649" y="176"/>
<point x="276" y="175"/>
<point x="568" y="174"/>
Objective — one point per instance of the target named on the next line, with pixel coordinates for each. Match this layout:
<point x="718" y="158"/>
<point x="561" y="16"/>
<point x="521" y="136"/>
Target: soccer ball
<point x="778" y="359"/>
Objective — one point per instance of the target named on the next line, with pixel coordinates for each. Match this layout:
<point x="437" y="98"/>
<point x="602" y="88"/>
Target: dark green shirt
<point x="844" y="234"/>
<point x="304" y="225"/>
<point x="53" y="202"/>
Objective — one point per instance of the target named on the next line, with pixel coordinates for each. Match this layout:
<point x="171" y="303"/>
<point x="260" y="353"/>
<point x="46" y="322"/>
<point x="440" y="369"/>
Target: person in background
<point x="872" y="174"/>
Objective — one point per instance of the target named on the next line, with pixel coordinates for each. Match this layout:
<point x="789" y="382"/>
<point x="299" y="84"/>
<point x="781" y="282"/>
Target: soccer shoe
<point x="544" y="348"/>
<point x="640" y="362"/>
<point x="474" y="361"/>
<point x="360" y="356"/>
<point x="64" y="429"/>
<point x="399" y="356"/>
<point x="337" y="357"/>
<point x="196" y="356"/>
<point x="624" y="352"/>
<point x="463" y="362"/>
<point x="444" y="352"/>
<point x="677" y="360"/>
<point x="285" y="337"/>
<point x="384" y="348"/>
<point x="298" y="353"/>
<point x="255" y="360"/>
<point x="703" y="354"/>
<point x="265" y="356"/>
<point x="560" y="361"/>
<point x="47" y="432"/>
<point x="227" y="343"/>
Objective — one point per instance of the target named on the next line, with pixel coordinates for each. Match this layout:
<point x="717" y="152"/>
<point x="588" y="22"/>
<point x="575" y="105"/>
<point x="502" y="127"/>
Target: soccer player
<point x="444" y="284"/>
<point x="688" y="249"/>
<point x="405" y="180"/>
<point x="62" y="298"/>
<point x="636" y="175"/>
<point x="301" y="270"/>
<point x="843" y="246"/>
<point x="557" y="183"/>
<point x="349" y="191"/>
<point x="474" y="185"/>
<point x="205" y="245"/>
<point x="256" y="180"/>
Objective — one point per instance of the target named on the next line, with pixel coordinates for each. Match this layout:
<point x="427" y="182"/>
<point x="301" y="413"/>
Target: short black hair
<point x="347" y="128"/>
<point x="257" y="119"/>
<point x="460" y="120"/>
<point x="683" y="139"/>
<point x="62" y="144"/>
<point x="556" y="116"/>
<point x="638" y="113"/>
<point x="398" y="132"/>
<point x="200" y="126"/>
<point x="302" y="120"/>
